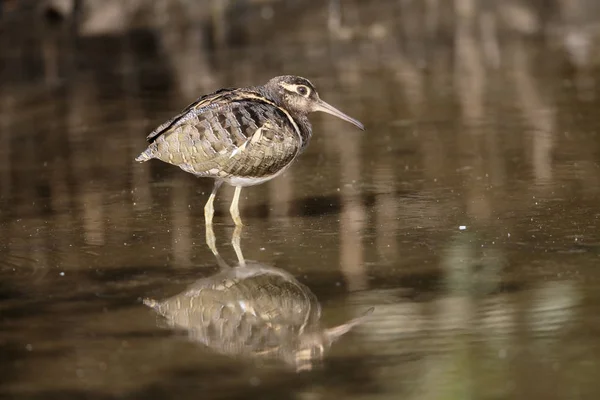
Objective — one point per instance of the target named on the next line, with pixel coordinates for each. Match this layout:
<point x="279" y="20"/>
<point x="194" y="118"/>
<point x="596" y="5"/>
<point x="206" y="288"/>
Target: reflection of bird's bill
<point x="334" y="333"/>
<point x="305" y="358"/>
<point x="329" y="109"/>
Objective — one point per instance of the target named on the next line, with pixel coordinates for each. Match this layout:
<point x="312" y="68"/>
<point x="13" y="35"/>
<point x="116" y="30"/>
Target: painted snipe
<point x="253" y="311"/>
<point x="241" y="136"/>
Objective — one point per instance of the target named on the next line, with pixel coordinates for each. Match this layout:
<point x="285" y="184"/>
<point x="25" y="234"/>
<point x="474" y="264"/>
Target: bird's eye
<point x="302" y="90"/>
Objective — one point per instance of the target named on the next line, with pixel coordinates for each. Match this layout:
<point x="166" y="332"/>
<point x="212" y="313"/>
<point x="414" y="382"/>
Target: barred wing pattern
<point x="235" y="315"/>
<point x="228" y="133"/>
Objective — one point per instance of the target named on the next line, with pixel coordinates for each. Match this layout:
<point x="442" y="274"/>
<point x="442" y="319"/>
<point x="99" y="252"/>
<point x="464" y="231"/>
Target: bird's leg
<point x="210" y="239"/>
<point x="235" y="241"/>
<point x="209" y="208"/>
<point x="234" y="209"/>
<point x="210" y="242"/>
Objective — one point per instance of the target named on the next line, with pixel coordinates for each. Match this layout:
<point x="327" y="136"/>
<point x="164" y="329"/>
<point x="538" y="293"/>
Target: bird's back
<point x="230" y="133"/>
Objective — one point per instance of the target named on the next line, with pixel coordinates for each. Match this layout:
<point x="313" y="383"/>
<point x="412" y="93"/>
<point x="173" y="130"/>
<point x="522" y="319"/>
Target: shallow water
<point x="466" y="215"/>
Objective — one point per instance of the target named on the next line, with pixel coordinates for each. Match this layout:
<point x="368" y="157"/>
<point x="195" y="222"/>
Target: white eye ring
<point x="302" y="90"/>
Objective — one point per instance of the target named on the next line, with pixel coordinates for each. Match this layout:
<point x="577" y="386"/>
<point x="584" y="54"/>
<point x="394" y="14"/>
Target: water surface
<point x="466" y="215"/>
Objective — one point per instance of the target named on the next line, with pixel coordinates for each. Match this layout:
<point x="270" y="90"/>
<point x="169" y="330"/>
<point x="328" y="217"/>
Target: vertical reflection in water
<point x="50" y="54"/>
<point x="386" y="201"/>
<point x="219" y="22"/>
<point x="456" y="312"/>
<point x="93" y="213"/>
<point x="281" y="193"/>
<point x="432" y="18"/>
<point x="536" y="112"/>
<point x="412" y="28"/>
<point x="140" y="181"/>
<point x="470" y="82"/>
<point x="411" y="77"/>
<point x="334" y="16"/>
<point x="470" y="72"/>
<point x="181" y="230"/>
<point x="181" y="40"/>
<point x="7" y="109"/>
<point x="39" y="249"/>
<point x="547" y="314"/>
<point x="140" y="177"/>
<point x="471" y="268"/>
<point x="115" y="161"/>
<point x="578" y="42"/>
<point x="497" y="323"/>
<point x="89" y="193"/>
<point x="64" y="245"/>
<point x="63" y="186"/>
<point x="488" y="24"/>
<point x="453" y="314"/>
<point x="60" y="199"/>
<point x="353" y="214"/>
<point x="496" y="160"/>
<point x="585" y="80"/>
<point x="386" y="213"/>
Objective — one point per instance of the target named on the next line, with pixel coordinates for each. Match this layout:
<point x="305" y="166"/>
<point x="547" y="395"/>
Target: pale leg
<point x="210" y="241"/>
<point x="209" y="208"/>
<point x="235" y="241"/>
<point x="234" y="209"/>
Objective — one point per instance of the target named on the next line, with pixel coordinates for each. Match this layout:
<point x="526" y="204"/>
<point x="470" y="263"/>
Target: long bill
<point x="329" y="109"/>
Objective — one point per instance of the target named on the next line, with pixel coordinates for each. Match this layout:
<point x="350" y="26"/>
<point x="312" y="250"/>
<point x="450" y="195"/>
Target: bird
<point x="241" y="136"/>
<point x="255" y="311"/>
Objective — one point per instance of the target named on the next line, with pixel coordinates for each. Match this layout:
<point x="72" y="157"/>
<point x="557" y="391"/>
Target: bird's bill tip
<point x="329" y="109"/>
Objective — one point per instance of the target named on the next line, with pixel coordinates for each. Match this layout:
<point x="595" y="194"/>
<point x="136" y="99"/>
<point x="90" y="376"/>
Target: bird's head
<point x="299" y="96"/>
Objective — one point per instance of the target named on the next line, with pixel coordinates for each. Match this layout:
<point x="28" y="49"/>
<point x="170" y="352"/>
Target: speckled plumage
<point x="253" y="311"/>
<point x="240" y="136"/>
<point x="235" y="135"/>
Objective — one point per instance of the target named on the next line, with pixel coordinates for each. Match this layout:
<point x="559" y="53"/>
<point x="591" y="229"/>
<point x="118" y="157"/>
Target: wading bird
<point x="243" y="136"/>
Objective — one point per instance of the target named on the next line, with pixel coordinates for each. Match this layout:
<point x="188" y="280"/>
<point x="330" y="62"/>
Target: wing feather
<point x="228" y="133"/>
<point x="213" y="99"/>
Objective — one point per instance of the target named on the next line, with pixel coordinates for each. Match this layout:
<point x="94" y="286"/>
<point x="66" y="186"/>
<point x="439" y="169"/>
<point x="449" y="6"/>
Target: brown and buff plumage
<point x="240" y="136"/>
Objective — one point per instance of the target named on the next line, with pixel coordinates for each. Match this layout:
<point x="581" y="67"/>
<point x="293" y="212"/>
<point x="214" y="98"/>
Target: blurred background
<point x="466" y="214"/>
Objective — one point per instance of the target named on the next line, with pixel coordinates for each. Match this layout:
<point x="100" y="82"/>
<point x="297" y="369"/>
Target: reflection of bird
<point x="241" y="136"/>
<point x="254" y="311"/>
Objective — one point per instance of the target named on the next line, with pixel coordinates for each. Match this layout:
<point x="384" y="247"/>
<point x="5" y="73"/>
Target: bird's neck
<point x="305" y="130"/>
<point x="300" y="119"/>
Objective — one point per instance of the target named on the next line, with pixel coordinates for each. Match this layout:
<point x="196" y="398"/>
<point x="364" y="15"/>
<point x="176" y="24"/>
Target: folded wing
<point x="227" y="133"/>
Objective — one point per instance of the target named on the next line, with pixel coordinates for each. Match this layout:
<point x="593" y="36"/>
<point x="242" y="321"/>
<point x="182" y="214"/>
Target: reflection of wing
<point x="253" y="311"/>
<point x="269" y="295"/>
<point x="243" y="310"/>
<point x="228" y="133"/>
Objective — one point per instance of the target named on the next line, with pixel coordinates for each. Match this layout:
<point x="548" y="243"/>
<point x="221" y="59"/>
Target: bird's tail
<point x="151" y="303"/>
<point x="145" y="156"/>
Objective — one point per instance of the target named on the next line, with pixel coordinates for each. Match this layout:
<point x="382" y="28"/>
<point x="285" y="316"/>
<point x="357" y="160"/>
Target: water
<point x="466" y="215"/>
